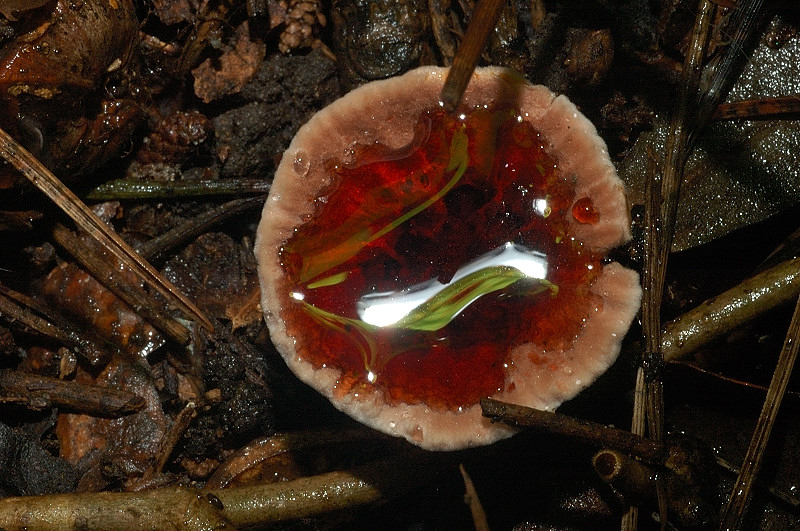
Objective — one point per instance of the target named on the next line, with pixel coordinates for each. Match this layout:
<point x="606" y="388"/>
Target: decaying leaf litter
<point x="201" y="104"/>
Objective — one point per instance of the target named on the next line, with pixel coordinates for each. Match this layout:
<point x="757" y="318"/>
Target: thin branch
<point x="727" y="311"/>
<point x="105" y="270"/>
<point x="737" y="504"/>
<point x="254" y="506"/>
<point x="325" y="493"/>
<point x="666" y="190"/>
<point x="40" y="392"/>
<point x="472" y="500"/>
<point x="763" y="108"/>
<point x="155" y="248"/>
<point x="483" y="20"/>
<point x="83" y="216"/>
<point x="140" y="189"/>
<point x="661" y="234"/>
<point x="779" y="494"/>
<point x="575" y="429"/>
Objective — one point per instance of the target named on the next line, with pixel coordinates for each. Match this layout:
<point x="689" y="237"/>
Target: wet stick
<point x="83" y="216"/>
<point x="483" y="21"/>
<point x="733" y="515"/>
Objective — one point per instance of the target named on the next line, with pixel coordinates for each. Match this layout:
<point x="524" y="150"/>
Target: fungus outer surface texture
<point x="413" y="262"/>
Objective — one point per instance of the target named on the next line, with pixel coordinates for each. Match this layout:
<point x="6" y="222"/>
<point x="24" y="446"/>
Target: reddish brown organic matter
<point x="60" y="83"/>
<point x="413" y="262"/>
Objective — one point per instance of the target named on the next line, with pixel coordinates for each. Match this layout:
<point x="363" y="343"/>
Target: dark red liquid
<point x="511" y="191"/>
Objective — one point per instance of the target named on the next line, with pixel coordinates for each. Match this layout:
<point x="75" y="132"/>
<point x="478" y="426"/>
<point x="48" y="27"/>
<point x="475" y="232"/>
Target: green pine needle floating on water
<point x="432" y="315"/>
<point x="360" y="333"/>
<point x="329" y="281"/>
<point x="438" y="311"/>
<point x="315" y="265"/>
<point x="459" y="161"/>
<point x="435" y="313"/>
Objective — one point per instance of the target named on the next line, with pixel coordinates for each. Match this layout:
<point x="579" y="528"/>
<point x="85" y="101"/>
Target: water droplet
<point x="583" y="211"/>
<point x="301" y="163"/>
<point x="349" y="156"/>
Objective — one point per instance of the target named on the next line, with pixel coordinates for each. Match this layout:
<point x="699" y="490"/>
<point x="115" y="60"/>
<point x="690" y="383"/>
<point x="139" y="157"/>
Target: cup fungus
<point x="413" y="262"/>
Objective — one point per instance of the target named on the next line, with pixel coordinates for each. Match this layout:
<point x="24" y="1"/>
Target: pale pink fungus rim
<point x="374" y="113"/>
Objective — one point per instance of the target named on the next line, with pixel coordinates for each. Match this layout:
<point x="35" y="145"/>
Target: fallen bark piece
<point x="40" y="392"/>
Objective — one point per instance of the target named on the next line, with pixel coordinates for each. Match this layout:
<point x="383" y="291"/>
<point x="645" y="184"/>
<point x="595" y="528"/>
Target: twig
<point x="575" y="429"/>
<point x="638" y="426"/>
<point x="40" y="392"/>
<point x="649" y="388"/>
<point x="676" y="154"/>
<point x="105" y="270"/>
<point x="628" y="475"/>
<point x="472" y="499"/>
<point x="745" y="20"/>
<point x="779" y="494"/>
<point x="140" y="189"/>
<point x="737" y="504"/>
<point x="83" y="216"/>
<point x="155" y="248"/>
<point x="48" y="325"/>
<point x="482" y="22"/>
<point x="325" y="493"/>
<point x="177" y="508"/>
<point x="726" y="312"/>
<point x="758" y="108"/>
<point x="189" y="509"/>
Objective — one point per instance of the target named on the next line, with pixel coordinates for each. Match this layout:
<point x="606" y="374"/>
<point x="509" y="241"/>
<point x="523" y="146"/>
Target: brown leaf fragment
<point x="121" y="449"/>
<point x="219" y="274"/>
<point x="245" y="310"/>
<point x="236" y="67"/>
